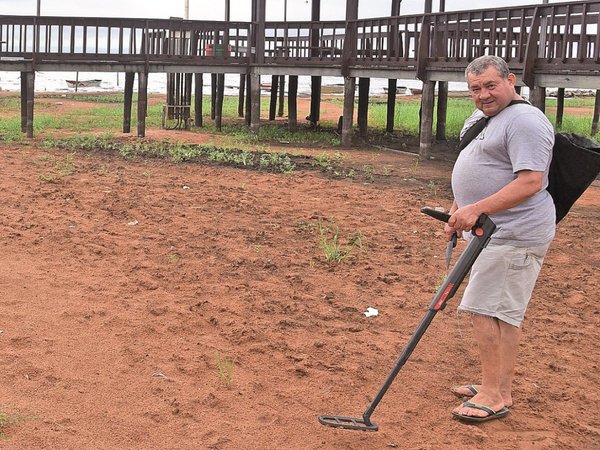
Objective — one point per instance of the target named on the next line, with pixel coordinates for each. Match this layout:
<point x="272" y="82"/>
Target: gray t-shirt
<point x="519" y="137"/>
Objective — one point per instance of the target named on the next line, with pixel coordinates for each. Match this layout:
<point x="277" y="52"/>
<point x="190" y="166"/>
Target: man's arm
<point x="527" y="183"/>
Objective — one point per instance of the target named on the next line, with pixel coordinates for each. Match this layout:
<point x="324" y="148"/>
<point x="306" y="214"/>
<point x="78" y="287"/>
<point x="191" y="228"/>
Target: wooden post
<point x="127" y="101"/>
<point x="198" y="96"/>
<point x="213" y="94"/>
<point x="560" y="106"/>
<point x="315" y="100"/>
<point x="249" y="100"/>
<point x="363" y="106"/>
<point x="537" y="97"/>
<point x="391" y="105"/>
<point x="241" y="95"/>
<point x="30" y="93"/>
<point x="142" y="103"/>
<point x="293" y="103"/>
<point x="255" y="95"/>
<point x="442" y="109"/>
<point x="596" y="113"/>
<point x="349" y="87"/>
<point x="427" y="103"/>
<point x="23" y="102"/>
<point x="274" y="93"/>
<point x="281" y="95"/>
<point x="219" y="101"/>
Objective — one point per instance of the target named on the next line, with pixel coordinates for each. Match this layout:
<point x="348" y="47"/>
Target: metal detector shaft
<point x="482" y="232"/>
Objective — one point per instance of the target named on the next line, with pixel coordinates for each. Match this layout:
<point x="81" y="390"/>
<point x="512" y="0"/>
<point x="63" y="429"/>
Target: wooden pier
<point x="546" y="45"/>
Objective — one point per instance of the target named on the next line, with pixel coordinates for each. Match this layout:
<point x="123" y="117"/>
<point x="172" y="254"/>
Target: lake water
<point x="111" y="81"/>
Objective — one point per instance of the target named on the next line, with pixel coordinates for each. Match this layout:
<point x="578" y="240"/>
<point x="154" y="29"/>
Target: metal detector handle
<point x="439" y="215"/>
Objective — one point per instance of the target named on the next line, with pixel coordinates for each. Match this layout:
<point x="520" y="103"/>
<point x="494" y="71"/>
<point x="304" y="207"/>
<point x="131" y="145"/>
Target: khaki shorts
<point x="502" y="280"/>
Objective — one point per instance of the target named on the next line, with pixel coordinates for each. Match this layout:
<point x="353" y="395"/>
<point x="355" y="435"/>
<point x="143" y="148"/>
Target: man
<point x="503" y="173"/>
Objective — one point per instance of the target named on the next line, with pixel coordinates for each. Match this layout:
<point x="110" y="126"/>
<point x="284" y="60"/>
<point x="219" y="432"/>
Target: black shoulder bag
<point x="575" y="164"/>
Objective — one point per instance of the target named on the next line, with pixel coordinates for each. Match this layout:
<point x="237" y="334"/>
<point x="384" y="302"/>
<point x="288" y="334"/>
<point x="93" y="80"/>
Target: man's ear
<point x="512" y="79"/>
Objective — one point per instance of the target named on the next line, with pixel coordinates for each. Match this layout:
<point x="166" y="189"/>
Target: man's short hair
<point x="481" y="64"/>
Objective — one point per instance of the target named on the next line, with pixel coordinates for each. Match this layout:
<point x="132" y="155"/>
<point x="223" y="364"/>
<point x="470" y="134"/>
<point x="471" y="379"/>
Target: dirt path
<point x="124" y="284"/>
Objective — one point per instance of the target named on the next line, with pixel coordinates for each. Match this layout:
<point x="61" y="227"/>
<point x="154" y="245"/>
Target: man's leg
<point x="497" y="346"/>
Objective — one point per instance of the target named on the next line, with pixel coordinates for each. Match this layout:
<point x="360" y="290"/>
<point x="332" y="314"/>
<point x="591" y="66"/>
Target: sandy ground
<point x="126" y="284"/>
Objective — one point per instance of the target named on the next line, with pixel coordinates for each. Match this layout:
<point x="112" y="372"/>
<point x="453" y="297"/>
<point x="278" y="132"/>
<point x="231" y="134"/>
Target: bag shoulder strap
<point x="478" y="127"/>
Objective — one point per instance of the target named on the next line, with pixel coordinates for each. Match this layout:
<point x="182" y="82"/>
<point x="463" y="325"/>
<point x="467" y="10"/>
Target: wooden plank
<point x="293" y="103"/>
<point x="426" y="133"/>
<point x="349" y="88"/>
<point x="363" y="106"/>
<point x="142" y="103"/>
<point x="391" y="105"/>
<point x="127" y="101"/>
<point x="198" y="95"/>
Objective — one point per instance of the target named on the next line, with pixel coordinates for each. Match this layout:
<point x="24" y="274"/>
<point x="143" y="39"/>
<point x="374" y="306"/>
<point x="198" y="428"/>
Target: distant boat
<point x="83" y="83"/>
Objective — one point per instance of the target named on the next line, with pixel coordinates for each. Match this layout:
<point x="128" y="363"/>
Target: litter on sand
<point x="371" y="312"/>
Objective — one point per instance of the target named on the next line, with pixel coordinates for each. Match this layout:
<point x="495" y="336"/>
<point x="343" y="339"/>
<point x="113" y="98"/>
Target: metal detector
<point x="482" y="232"/>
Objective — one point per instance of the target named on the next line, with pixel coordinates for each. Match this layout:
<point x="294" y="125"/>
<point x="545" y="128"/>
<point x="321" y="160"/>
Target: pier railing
<point x="550" y="38"/>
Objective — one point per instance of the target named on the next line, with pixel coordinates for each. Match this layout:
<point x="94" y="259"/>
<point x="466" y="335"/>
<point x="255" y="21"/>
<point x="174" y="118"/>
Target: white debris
<point x="371" y="312"/>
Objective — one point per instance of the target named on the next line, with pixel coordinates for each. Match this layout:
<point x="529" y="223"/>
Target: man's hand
<point x="463" y="219"/>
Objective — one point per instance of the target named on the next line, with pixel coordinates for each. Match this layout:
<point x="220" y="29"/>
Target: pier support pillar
<point x="537" y="97"/>
<point x="219" y="101"/>
<point x="363" y="106"/>
<point x="127" y="101"/>
<point x="27" y="94"/>
<point x="274" y="93"/>
<point x="293" y="103"/>
<point x="142" y="103"/>
<point x="442" y="111"/>
<point x="241" y="94"/>
<point x="560" y="106"/>
<point x="248" y="100"/>
<point x="349" y="87"/>
<point x="255" y="99"/>
<point x="427" y="106"/>
<point x="596" y="113"/>
<point x="213" y="94"/>
<point x="315" y="101"/>
<point x="281" y="95"/>
<point x="198" y="97"/>
<point x="391" y="105"/>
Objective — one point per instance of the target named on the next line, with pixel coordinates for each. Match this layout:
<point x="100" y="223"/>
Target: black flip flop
<point x="474" y="419"/>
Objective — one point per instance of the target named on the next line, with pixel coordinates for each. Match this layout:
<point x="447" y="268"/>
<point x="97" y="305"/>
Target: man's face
<point x="490" y="92"/>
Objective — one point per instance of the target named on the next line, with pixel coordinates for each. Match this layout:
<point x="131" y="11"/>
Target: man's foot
<point x="468" y="390"/>
<point x="476" y="413"/>
<point x="471" y="390"/>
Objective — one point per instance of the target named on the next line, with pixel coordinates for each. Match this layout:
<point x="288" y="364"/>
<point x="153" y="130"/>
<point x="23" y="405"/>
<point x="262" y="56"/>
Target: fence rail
<point x="546" y="38"/>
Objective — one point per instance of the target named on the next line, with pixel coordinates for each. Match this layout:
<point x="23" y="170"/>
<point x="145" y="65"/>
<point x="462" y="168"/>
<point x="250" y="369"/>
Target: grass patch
<point x="224" y="369"/>
<point x="334" y="248"/>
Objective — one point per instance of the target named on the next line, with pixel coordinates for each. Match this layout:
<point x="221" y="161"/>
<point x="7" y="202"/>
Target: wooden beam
<point x="427" y="103"/>
<point x="198" y="95"/>
<point x="293" y="104"/>
<point x="255" y="96"/>
<point x="219" y="101"/>
<point x="351" y="9"/>
<point x="442" y="110"/>
<point x="349" y="87"/>
<point x="596" y="113"/>
<point x="281" y="95"/>
<point x="315" y="101"/>
<point x="537" y="97"/>
<point x="142" y="103"/>
<point x="23" y="102"/>
<point x="248" y="101"/>
<point x="241" y="95"/>
<point x="127" y="101"/>
<point x="391" y="105"/>
<point x="213" y="94"/>
<point x="30" y="94"/>
<point x="363" y="106"/>
<point x="531" y="50"/>
<point x="560" y="106"/>
<point x="274" y="93"/>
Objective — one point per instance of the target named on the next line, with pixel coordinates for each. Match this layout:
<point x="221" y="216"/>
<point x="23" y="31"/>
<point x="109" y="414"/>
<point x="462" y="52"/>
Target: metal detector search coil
<point x="482" y="232"/>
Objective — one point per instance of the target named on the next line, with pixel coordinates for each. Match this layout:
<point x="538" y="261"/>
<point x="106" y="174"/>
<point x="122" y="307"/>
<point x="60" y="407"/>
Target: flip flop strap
<point x="487" y="409"/>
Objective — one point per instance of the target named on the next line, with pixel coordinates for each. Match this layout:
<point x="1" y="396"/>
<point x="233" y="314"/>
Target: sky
<point x="240" y="9"/>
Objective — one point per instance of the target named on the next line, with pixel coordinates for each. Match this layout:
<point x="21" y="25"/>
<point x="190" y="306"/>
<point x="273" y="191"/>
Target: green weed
<point x="331" y="243"/>
<point x="62" y="168"/>
<point x="224" y="369"/>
